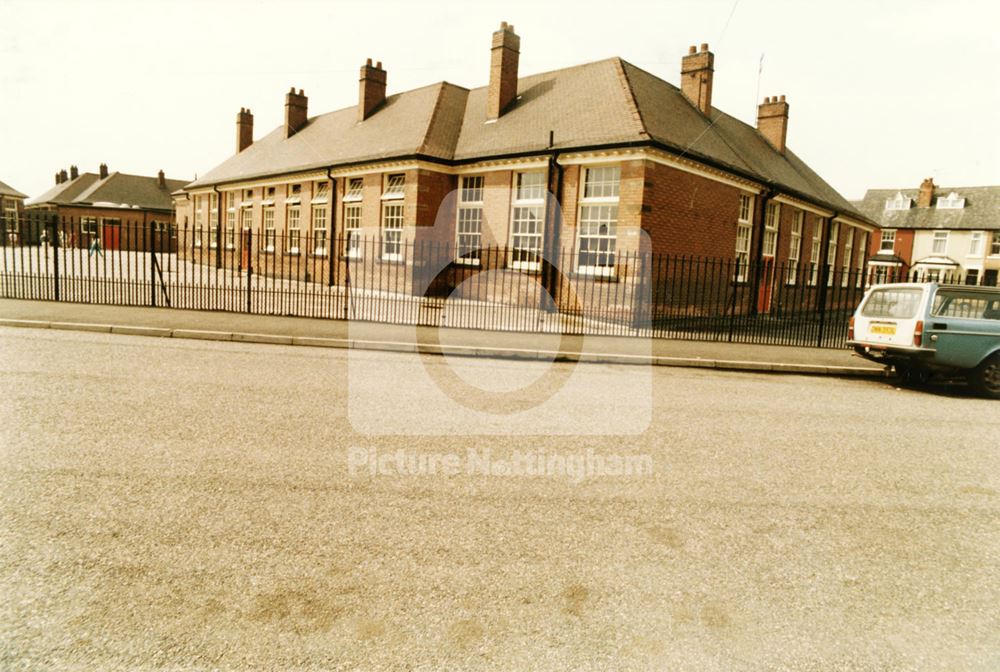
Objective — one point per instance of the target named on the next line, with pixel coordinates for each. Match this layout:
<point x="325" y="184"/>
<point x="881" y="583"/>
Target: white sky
<point x="882" y="94"/>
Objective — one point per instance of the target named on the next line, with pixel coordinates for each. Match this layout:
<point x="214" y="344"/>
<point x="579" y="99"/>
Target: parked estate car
<point x="926" y="328"/>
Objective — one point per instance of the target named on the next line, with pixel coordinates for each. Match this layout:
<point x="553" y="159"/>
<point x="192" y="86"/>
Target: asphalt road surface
<point x="171" y="504"/>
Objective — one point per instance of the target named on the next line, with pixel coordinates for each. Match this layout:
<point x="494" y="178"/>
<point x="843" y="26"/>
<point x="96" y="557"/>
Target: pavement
<point x="246" y="328"/>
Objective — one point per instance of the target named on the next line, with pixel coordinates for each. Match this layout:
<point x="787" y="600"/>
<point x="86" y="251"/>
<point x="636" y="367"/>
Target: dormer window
<point x="898" y="202"/>
<point x="951" y="202"/>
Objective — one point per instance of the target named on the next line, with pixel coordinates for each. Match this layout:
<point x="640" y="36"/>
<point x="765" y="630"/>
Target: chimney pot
<point x="704" y="46"/>
<point x="504" y="56"/>
<point x="781" y="98"/>
<point x="371" y="89"/>
<point x="73" y="172"/>
<point x="244" y="129"/>
<point x="697" y="73"/>
<point x="104" y="170"/>
<point x="62" y="176"/>
<point x="57" y="178"/>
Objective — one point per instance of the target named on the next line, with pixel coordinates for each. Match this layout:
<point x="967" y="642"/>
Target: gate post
<point x="249" y="248"/>
<point x="54" y="237"/>
<point x="152" y="265"/>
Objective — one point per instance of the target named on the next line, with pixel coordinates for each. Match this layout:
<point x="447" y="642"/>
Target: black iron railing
<point x="435" y="283"/>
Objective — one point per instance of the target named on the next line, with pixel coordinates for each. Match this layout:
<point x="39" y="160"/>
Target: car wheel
<point x="912" y="375"/>
<point x="985" y="378"/>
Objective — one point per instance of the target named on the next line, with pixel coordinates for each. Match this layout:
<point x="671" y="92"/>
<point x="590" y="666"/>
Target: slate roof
<point x="981" y="211"/>
<point x="116" y="190"/>
<point x="7" y="190"/>
<point x="605" y="103"/>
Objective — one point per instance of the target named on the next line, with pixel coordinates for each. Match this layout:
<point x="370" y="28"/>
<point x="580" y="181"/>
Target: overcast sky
<point x="882" y="94"/>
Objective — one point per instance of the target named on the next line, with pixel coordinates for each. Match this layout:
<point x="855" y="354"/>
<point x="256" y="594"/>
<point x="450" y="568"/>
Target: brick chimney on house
<point x="103" y="170"/>
<point x="371" y="89"/>
<point x="61" y="176"/>
<point x="73" y="172"/>
<point x="697" y="69"/>
<point x="57" y="178"/>
<point x="296" y="106"/>
<point x="161" y="180"/>
<point x="504" y="55"/>
<point x="772" y="121"/>
<point x="244" y="129"/>
<point x="926" y="194"/>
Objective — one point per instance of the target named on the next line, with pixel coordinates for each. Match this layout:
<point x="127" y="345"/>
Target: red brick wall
<point x="688" y="214"/>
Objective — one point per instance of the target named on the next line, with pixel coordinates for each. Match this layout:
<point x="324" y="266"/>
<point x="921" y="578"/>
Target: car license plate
<point x="887" y="329"/>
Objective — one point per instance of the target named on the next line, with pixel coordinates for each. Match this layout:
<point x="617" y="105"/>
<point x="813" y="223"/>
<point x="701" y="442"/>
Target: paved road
<point x="186" y="505"/>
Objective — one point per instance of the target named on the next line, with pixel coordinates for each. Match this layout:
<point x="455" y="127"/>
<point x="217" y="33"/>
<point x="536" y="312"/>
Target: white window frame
<point x="392" y="231"/>
<point x="888" y="236"/>
<point x="270" y="232"/>
<point x="352" y="230"/>
<point x="744" y="235"/>
<point x="293" y="228"/>
<point x="976" y="239"/>
<point x="940" y="240"/>
<point x="527" y="207"/>
<point x="319" y="232"/>
<point x="995" y="244"/>
<point x="772" y="223"/>
<point x="795" y="247"/>
<point x="394" y="187"/>
<point x="845" y="265"/>
<point x="815" y="252"/>
<point x="831" y="252"/>
<point x="601" y="194"/>
<point x="898" y="202"/>
<point x="355" y="190"/>
<point x="950" y="202"/>
<point x="469" y="220"/>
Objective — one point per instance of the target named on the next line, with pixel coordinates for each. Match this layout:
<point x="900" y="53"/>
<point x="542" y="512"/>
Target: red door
<point x="111" y="234"/>
<point x="766" y="285"/>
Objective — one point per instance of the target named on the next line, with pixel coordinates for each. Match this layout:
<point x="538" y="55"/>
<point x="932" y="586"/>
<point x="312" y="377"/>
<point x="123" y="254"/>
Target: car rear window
<point x="897" y="302"/>
<point x="966" y="304"/>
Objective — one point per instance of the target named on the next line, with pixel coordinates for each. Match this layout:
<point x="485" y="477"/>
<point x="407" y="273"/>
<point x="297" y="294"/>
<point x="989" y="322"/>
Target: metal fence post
<point x="152" y="265"/>
<point x="249" y="248"/>
<point x="54" y="237"/>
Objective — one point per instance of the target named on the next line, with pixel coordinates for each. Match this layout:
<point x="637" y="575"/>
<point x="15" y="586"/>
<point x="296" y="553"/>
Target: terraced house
<point x="936" y="232"/>
<point x="115" y="210"/>
<point x="568" y="165"/>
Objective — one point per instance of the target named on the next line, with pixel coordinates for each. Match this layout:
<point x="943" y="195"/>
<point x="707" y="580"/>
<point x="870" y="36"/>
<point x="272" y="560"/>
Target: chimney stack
<point x="926" y="194"/>
<point x="62" y="176"/>
<point x="244" y="129"/>
<point x="371" y="89"/>
<point x="161" y="180"/>
<point x="504" y="55"/>
<point x="104" y="170"/>
<point x="58" y="181"/>
<point x="296" y="106"/>
<point x="73" y="172"/>
<point x="772" y="121"/>
<point x="697" y="69"/>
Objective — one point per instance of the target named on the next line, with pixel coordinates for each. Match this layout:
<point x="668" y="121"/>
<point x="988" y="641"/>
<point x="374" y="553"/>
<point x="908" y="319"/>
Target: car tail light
<point x="918" y="333"/>
<point x="850" y="329"/>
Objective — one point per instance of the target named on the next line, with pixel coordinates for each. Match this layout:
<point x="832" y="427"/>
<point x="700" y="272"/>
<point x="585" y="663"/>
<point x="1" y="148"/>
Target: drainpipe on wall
<point x="551" y="273"/>
<point x="218" y="226"/>
<point x="824" y="274"/>
<point x="331" y="227"/>
<point x="757" y="254"/>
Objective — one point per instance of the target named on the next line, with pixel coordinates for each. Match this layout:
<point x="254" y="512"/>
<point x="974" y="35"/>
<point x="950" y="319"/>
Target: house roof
<point x="981" y="211"/>
<point x="117" y="190"/>
<point x="605" y="103"/>
<point x="7" y="190"/>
